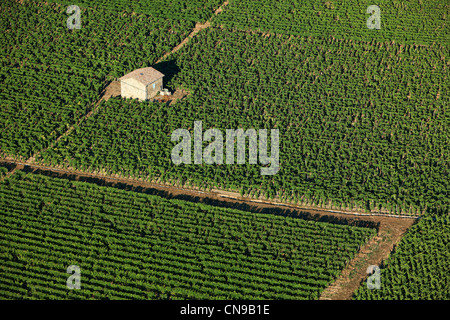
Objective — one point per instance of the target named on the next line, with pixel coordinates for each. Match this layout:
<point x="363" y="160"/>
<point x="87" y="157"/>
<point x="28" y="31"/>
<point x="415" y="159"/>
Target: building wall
<point x="158" y="87"/>
<point x="131" y="88"/>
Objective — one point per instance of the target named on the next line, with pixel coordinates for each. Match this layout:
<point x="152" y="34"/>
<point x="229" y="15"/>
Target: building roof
<point x="144" y="75"/>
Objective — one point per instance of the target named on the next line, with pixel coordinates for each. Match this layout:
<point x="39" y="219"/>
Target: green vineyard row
<point x="51" y="76"/>
<point x="418" y="267"/>
<point x="421" y="22"/>
<point x="190" y="10"/>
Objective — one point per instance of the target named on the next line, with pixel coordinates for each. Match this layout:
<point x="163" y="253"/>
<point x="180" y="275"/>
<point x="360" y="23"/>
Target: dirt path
<point x="220" y="9"/>
<point x="113" y="89"/>
<point x="373" y="253"/>
<point x="198" y="27"/>
<point x="215" y="193"/>
<point x="222" y="193"/>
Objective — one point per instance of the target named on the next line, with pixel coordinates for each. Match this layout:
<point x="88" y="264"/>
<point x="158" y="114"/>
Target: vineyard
<point x="3" y="172"/>
<point x="418" y="269"/>
<point x="407" y="22"/>
<point x="191" y="10"/>
<point x="52" y="76"/>
<point x="134" y="245"/>
<point x="360" y="127"/>
<point x="364" y="125"/>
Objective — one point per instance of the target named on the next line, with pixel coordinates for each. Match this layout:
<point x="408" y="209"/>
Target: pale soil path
<point x="223" y="194"/>
<point x="373" y="253"/>
<point x="113" y="89"/>
<point x="197" y="29"/>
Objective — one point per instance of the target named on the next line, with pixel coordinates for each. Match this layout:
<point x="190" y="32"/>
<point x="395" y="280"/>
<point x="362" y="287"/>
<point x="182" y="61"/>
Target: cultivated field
<point x="408" y="22"/>
<point x="132" y="245"/>
<point x="360" y="128"/>
<point x="51" y="77"/>
<point x="417" y="269"/>
<point x="87" y="177"/>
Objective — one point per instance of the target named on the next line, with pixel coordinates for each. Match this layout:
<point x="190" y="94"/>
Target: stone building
<point x="142" y="84"/>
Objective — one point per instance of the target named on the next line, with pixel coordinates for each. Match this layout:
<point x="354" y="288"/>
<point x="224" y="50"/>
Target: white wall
<point x="131" y="88"/>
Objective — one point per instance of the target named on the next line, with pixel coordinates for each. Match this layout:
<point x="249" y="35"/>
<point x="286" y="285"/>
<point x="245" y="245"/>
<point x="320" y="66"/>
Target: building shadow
<point x="169" y="69"/>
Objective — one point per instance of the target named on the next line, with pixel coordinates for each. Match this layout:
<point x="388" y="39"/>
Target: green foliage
<point x="363" y="125"/>
<point x="408" y="22"/>
<point x="190" y="10"/>
<point x="51" y="76"/>
<point x="418" y="268"/>
<point x="137" y="246"/>
<point x="3" y="171"/>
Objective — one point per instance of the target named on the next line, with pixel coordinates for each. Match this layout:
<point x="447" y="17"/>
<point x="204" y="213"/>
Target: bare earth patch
<point x="196" y="30"/>
<point x="220" y="9"/>
<point x="112" y="90"/>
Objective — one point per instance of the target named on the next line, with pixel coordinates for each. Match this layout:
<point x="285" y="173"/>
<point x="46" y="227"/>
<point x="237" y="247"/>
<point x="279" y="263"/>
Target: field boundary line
<point x="213" y="192"/>
<point x="390" y="228"/>
<point x="95" y="105"/>
<point x="357" y="213"/>
<point x="374" y="252"/>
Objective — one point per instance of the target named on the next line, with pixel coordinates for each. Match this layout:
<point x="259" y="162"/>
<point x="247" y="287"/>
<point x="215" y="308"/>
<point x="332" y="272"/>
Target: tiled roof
<point x="144" y="75"/>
